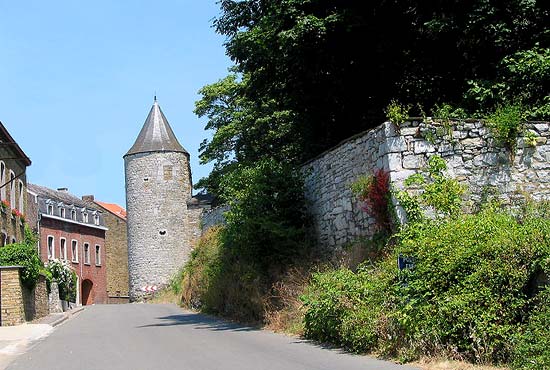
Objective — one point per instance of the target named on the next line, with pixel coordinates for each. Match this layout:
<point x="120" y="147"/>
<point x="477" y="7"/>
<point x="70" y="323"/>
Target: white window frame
<point x="98" y="255"/>
<point x="51" y="251"/>
<point x="74" y="251"/>
<point x="21" y="197"/>
<point x="86" y="248"/>
<point x="73" y="214"/>
<point x="62" y="212"/>
<point x="96" y="219"/>
<point x="85" y="217"/>
<point x="12" y="189"/>
<point x="63" y="248"/>
<point x="2" y="180"/>
<point x="49" y="209"/>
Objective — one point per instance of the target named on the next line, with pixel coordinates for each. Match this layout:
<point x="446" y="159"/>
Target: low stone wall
<point x="472" y="154"/>
<point x="36" y="300"/>
<point x="12" y="311"/>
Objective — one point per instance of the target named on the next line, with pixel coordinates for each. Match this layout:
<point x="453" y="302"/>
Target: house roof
<point x="62" y="196"/>
<point x="11" y="142"/>
<point x="156" y="135"/>
<point x="113" y="208"/>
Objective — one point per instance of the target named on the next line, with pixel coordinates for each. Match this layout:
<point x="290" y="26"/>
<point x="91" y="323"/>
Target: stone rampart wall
<point x="472" y="154"/>
<point x="213" y="217"/>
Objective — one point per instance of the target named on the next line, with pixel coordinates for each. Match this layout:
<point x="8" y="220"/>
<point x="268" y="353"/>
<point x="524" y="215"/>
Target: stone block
<point x="413" y="161"/>
<point x="394" y="161"/>
<point x="423" y="147"/>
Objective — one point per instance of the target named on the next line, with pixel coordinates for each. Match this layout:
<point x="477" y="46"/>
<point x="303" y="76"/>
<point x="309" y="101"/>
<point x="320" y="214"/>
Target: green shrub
<point x="465" y="297"/>
<point x="214" y="281"/>
<point x="532" y="349"/>
<point x="397" y="113"/>
<point x="25" y="255"/>
<point x="507" y="123"/>
<point x="431" y="189"/>
<point x="265" y="225"/>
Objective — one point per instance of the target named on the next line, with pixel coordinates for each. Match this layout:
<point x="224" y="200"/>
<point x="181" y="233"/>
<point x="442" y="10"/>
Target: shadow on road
<point x="200" y="321"/>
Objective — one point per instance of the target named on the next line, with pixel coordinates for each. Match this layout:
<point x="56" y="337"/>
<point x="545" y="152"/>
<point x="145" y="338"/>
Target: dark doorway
<point x="87" y="296"/>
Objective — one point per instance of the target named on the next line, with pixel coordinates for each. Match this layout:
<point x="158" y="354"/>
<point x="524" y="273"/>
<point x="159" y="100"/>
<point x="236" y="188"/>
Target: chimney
<point x="63" y="190"/>
<point x="88" y="198"/>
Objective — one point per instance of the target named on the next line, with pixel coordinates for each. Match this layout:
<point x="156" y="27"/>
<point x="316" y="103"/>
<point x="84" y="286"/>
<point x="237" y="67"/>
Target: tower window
<point x="167" y="172"/>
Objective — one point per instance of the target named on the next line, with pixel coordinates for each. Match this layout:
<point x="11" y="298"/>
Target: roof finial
<point x="155" y="97"/>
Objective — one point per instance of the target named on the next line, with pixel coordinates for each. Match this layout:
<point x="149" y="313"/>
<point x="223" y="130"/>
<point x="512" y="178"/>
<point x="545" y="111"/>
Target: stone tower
<point x="158" y="186"/>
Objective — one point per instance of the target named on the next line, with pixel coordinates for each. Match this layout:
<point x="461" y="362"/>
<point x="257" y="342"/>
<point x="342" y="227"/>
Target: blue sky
<point x="77" y="81"/>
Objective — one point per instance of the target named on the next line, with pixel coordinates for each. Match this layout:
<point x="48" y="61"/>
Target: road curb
<point x="66" y="316"/>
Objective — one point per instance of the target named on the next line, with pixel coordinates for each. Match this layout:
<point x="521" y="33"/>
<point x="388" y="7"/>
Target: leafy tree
<point x="309" y="73"/>
<point x="265" y="223"/>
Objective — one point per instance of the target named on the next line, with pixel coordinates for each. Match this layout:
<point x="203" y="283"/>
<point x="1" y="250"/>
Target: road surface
<point x="156" y="337"/>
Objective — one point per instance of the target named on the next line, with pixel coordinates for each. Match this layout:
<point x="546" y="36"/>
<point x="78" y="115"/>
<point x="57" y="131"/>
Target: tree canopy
<point x="310" y="73"/>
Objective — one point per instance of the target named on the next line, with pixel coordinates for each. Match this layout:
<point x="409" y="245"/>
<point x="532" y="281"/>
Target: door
<point x="87" y="296"/>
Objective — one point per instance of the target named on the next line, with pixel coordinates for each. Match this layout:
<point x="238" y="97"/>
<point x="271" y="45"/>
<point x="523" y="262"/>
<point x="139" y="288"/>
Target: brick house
<point x="116" y="243"/>
<point x="72" y="230"/>
<point x="13" y="189"/>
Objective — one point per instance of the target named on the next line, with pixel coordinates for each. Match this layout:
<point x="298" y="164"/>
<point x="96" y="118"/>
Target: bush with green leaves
<point x="431" y="189"/>
<point x="233" y="267"/>
<point x="532" y="347"/>
<point x="397" y="113"/>
<point x="466" y="296"/>
<point x="507" y="124"/>
<point x="265" y="224"/>
<point x="26" y="255"/>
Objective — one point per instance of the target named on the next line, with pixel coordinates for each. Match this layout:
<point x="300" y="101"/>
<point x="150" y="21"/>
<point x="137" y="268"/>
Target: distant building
<point x="116" y="245"/>
<point x="73" y="230"/>
<point x="13" y="189"/>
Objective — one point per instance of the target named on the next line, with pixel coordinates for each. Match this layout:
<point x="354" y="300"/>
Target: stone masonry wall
<point x="11" y="297"/>
<point x="213" y="217"/>
<point x="158" y="187"/>
<point x="473" y="157"/>
<point x="116" y="243"/>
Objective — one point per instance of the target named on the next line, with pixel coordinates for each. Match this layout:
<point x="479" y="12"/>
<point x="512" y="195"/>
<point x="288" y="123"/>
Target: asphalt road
<point x="156" y="337"/>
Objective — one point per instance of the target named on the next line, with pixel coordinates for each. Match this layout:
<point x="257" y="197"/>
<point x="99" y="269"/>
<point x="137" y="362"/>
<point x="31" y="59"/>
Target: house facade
<point x="116" y="243"/>
<point x="13" y="189"/>
<point x="73" y="230"/>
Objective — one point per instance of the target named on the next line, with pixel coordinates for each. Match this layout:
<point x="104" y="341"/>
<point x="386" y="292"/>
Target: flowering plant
<point x="65" y="276"/>
<point x="5" y="204"/>
<point x="17" y="213"/>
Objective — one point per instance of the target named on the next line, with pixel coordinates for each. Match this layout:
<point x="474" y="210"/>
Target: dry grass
<point x="443" y="364"/>
<point x="284" y="311"/>
<point x="166" y="295"/>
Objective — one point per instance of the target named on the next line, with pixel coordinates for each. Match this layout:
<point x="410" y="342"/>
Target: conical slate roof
<point x="156" y="135"/>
